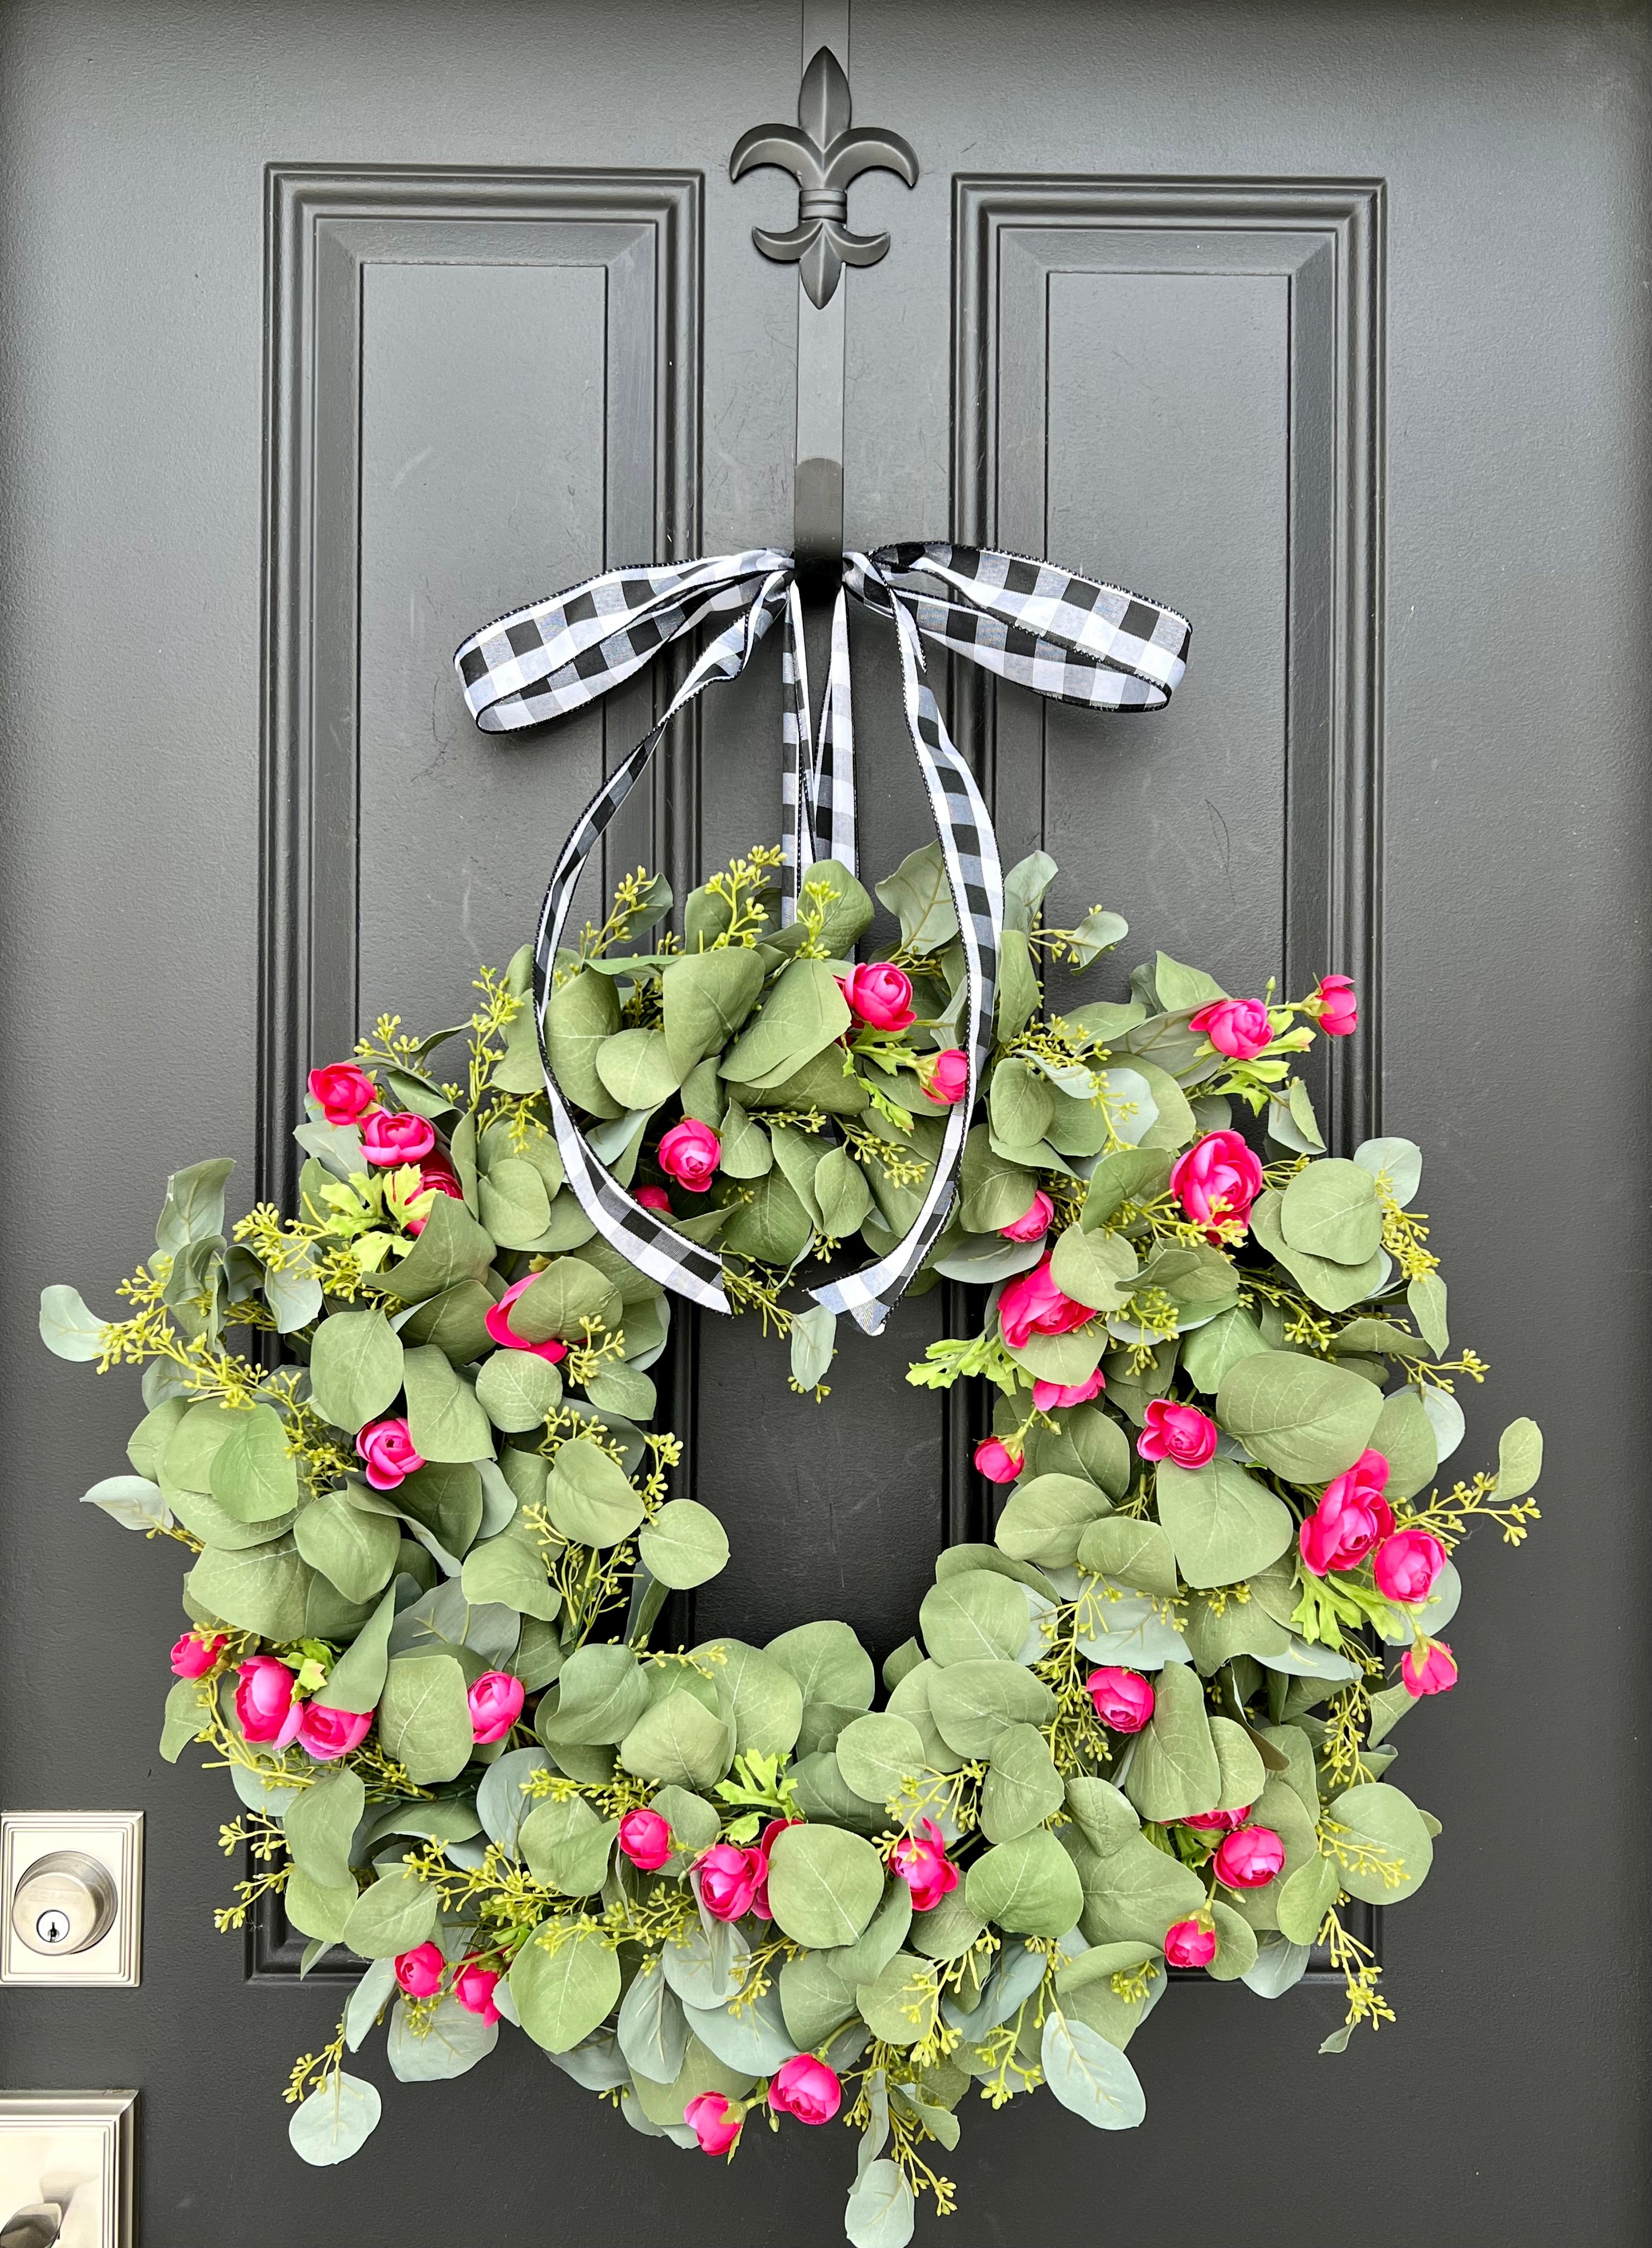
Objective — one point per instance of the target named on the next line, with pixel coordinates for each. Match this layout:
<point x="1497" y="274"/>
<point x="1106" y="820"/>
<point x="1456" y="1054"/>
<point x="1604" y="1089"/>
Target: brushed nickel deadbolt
<point x="65" y="1901"/>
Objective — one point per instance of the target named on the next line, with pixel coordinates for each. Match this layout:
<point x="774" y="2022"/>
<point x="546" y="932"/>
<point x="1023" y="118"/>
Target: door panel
<point x="1320" y="324"/>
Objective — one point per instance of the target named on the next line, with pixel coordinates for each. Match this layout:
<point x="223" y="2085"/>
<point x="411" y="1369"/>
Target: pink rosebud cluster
<point x="192" y="1656"/>
<point x="690" y="1152"/>
<point x="946" y="1078"/>
<point x="496" y="1704"/>
<point x="1034" y="1222"/>
<point x="806" y="2087"/>
<point x="1032" y="1304"/>
<point x="343" y="1093"/>
<point x="1336" y="1005"/>
<point x="418" y="1972"/>
<point x="645" y="1837"/>
<point x="733" y="1881"/>
<point x="1354" y="1522"/>
<point x="272" y="1714"/>
<point x="386" y="1449"/>
<point x="1189" y="1943"/>
<point x="1123" y="1699"/>
<point x="1239" y="1028"/>
<point x="1217" y="1181"/>
<point x="715" y="2122"/>
<point x="1248" y="1858"/>
<point x="1180" y="1434"/>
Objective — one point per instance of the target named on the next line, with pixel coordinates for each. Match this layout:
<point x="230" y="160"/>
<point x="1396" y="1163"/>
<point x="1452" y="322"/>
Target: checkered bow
<point x="1029" y="622"/>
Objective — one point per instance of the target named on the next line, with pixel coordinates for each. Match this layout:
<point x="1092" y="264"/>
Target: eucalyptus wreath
<point x="405" y="1437"/>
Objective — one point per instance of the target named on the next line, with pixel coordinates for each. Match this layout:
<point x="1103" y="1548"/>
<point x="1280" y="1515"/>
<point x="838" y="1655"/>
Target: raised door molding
<point x="630" y="242"/>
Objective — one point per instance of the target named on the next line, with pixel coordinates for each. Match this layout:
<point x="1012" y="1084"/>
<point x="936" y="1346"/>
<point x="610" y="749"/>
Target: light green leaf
<point x="354" y="1550"/>
<point x="1022" y="1788"/>
<point x="1176" y="1770"/>
<point x="1330" y="1209"/>
<point x="355" y="1368"/>
<point x="1019" y="1103"/>
<point x="1222" y="1525"/>
<point x="996" y="1192"/>
<point x="67" y="1328"/>
<point x="1104" y="1816"/>
<point x="707" y="996"/>
<point x="828" y="1662"/>
<point x="824" y="1885"/>
<point x="1305" y="1897"/>
<point x="589" y="1497"/>
<point x="972" y="1703"/>
<point x="320" y="1825"/>
<point x="397" y="1914"/>
<point x="803" y="1013"/>
<point x="972" y="1615"/>
<point x="566" y="1845"/>
<point x="515" y="1206"/>
<point x="684" y="1545"/>
<point x="194" y="1207"/>
<point x="1136" y="1892"/>
<point x="1182" y="988"/>
<point x="449" y="2040"/>
<point x="357" y="1678"/>
<point x="652" y="2029"/>
<point x="560" y="1301"/>
<point x="505" y="1569"/>
<point x="1131" y="1552"/>
<point x="753" y="2041"/>
<point x="1404" y="1435"/>
<point x="1397" y="1849"/>
<point x="1029" y="1886"/>
<point x="562" y="1994"/>
<point x="132" y="1501"/>
<point x="1098" y="1269"/>
<point x="1244" y="1776"/>
<point x="1400" y="1160"/>
<point x="1520" y="1459"/>
<point x="334" y="2122"/>
<point x="1046" y="1516"/>
<point x="451" y="1249"/>
<point x="1210" y="1350"/>
<point x="1305" y="1420"/>
<point x="600" y="1695"/>
<point x="763" y="1698"/>
<point x="261" y="1589"/>
<point x="773" y="1227"/>
<point x="679" y="1741"/>
<point x="424" y="1718"/>
<point x="1427" y="1298"/>
<point x="253" y="1476"/>
<point x="516" y="1389"/>
<point x="878" y="1754"/>
<point x="579" y="1016"/>
<point x="444" y="1420"/>
<point x="899" y="2005"/>
<point x="881" y="2209"/>
<point x="918" y="892"/>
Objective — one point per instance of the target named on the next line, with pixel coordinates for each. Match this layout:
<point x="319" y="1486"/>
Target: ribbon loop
<point x="1066" y="637"/>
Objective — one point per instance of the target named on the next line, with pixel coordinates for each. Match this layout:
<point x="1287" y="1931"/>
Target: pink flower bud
<point x="1049" y="1397"/>
<point x="923" y="1865"/>
<point x="655" y="1198"/>
<point x="496" y="1704"/>
<point x="691" y="1152"/>
<point x="1123" y="1699"/>
<point x="1217" y="1823"/>
<point x="1035" y="1223"/>
<point x="730" y="1878"/>
<point x="996" y="1463"/>
<point x="418" y="1972"/>
<point x="1336" y="1005"/>
<point x="497" y="1323"/>
<point x="1032" y="1303"/>
<point x="714" y="2122"/>
<point x="473" y="1987"/>
<point x="386" y="1447"/>
<point x="947" y="1080"/>
<point x="880" y="995"/>
<point x="329" y="1734"/>
<point x="1239" y="1028"/>
<point x="1217" y="1179"/>
<point x="1248" y="1858"/>
<point x="806" y="2087"/>
<point x="1180" y="1434"/>
<point x="1435" y="1674"/>
<point x="192" y="1656"/>
<point x="435" y="1176"/>
<point x="1350" y="1519"/>
<point x="266" y="1702"/>
<point x="1188" y="1944"/>
<point x="1406" y="1564"/>
<point x="392" y="1137"/>
<point x="646" y="1839"/>
<point x="343" y="1093"/>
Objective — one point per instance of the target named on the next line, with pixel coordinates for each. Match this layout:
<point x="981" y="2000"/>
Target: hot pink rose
<point x="655" y="1198"/>
<point x="923" y="1865"/>
<point x="691" y="1152"/>
<point x="1188" y="1944"/>
<point x="1036" y="1222"/>
<point x="497" y="1323"/>
<point x="806" y="2087"/>
<point x="436" y="1176"/>
<point x="386" y="1447"/>
<point x="1033" y="1304"/>
<point x="392" y="1137"/>
<point x="343" y="1092"/>
<point x="879" y="995"/>
<point x="1217" y="1823"/>
<point x="496" y="1704"/>
<point x="1239" y="1028"/>
<point x="1338" y="1006"/>
<point x="947" y="1079"/>
<point x="329" y="1734"/>
<point x="1435" y="1674"/>
<point x="1049" y="1396"/>
<point x="266" y="1701"/>
<point x="713" y="2122"/>
<point x="765" y="1843"/>
<point x="192" y="1656"/>
<point x="1218" y="1178"/>
<point x="1350" y="1519"/>
<point x="1250" y="1859"/>
<point x="1406" y="1564"/>
<point x="419" y="1971"/>
<point x="997" y="1463"/>
<point x="1123" y="1699"/>
<point x="473" y="1987"/>
<point x="1180" y="1434"/>
<point x="646" y="1839"/>
<point x="730" y="1878"/>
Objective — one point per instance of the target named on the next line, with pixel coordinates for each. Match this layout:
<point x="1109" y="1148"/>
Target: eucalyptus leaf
<point x="333" y="2123"/>
<point x="1305" y="1420"/>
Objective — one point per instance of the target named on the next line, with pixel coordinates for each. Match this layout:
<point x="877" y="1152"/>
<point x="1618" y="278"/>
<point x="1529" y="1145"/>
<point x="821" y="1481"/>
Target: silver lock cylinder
<point x="65" y="1901"/>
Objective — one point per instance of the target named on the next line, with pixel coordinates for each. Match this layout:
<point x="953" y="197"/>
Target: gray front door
<point x="331" y="333"/>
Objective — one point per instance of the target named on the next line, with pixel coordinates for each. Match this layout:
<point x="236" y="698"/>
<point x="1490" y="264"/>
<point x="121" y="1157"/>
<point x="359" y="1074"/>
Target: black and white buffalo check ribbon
<point x="1063" y="637"/>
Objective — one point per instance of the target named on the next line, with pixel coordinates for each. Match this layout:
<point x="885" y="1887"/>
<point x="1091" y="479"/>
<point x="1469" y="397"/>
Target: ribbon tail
<point x="639" y="1235"/>
<point x="833" y="786"/>
<point x="797" y="762"/>
<point x="969" y="851"/>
